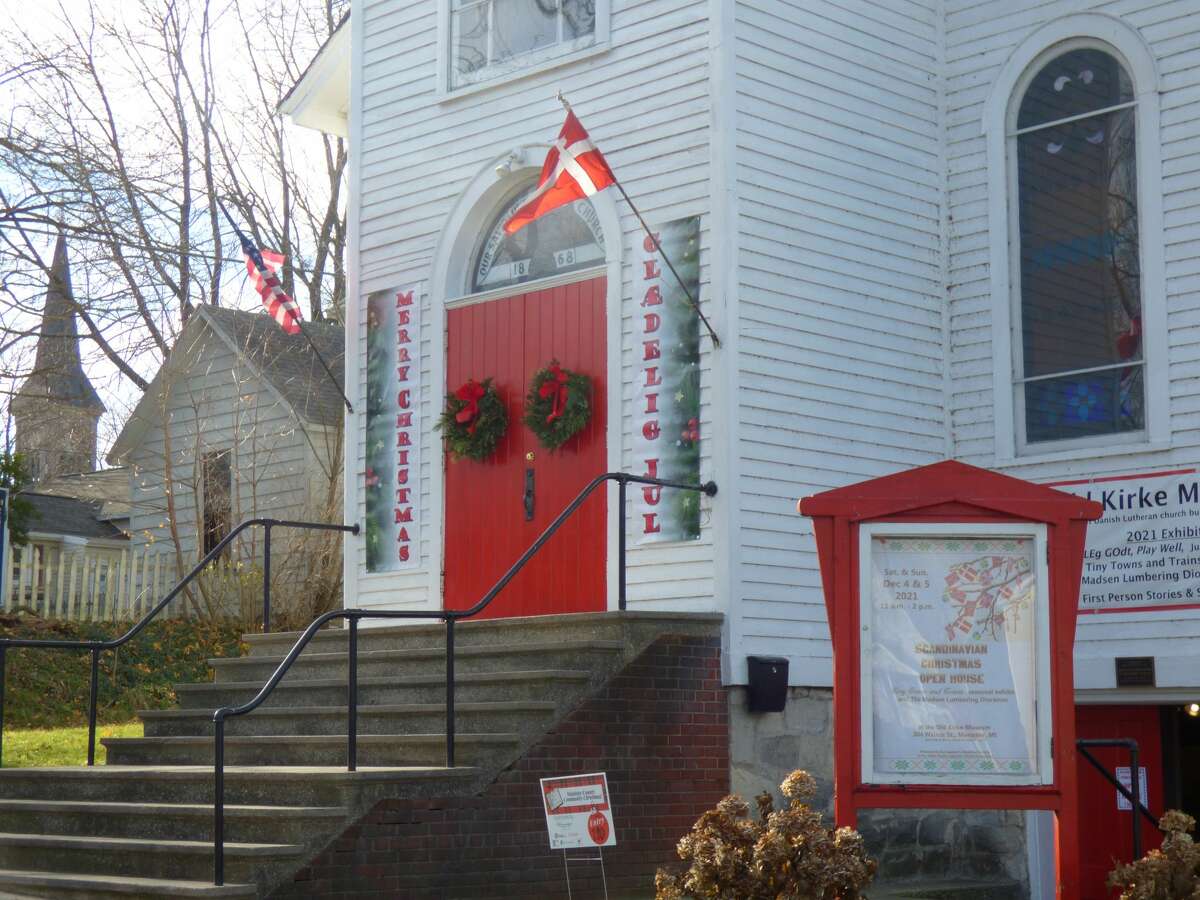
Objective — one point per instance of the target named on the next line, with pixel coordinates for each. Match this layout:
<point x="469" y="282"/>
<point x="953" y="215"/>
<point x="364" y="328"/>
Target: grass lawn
<point x="59" y="746"/>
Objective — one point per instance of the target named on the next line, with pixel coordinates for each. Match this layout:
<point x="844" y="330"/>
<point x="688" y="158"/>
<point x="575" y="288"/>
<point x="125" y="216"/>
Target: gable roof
<point x="285" y="362"/>
<point x="69" y="515"/>
<point x="108" y="487"/>
<point x="320" y="98"/>
<point x="947" y="482"/>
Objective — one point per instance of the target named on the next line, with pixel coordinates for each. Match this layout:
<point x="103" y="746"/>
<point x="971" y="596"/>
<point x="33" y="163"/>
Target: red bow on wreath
<point x="555" y="387"/>
<point x="470" y="394"/>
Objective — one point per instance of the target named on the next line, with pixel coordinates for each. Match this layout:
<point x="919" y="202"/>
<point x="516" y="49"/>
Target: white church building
<point x="921" y="230"/>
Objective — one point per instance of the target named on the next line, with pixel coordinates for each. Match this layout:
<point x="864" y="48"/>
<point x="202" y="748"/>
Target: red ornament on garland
<point x="597" y="825"/>
<point x="691" y="432"/>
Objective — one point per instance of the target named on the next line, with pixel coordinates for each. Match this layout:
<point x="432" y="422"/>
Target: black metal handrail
<point x="449" y="616"/>
<point x="1134" y="781"/>
<point x="98" y="647"/>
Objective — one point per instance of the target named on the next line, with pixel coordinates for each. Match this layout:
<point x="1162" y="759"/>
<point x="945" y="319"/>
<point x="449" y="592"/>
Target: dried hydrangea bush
<point x="1171" y="873"/>
<point x="787" y="853"/>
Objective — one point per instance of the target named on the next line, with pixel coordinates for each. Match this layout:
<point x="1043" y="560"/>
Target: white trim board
<point x="1042" y="647"/>
<point x="1126" y="44"/>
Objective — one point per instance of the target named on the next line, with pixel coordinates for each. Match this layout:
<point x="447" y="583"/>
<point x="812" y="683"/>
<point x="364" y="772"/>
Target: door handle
<point x="528" y="495"/>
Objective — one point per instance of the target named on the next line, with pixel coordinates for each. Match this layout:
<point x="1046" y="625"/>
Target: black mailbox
<point x="768" y="683"/>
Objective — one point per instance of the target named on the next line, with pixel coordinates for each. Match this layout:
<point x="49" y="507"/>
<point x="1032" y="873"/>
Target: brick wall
<point x="659" y="729"/>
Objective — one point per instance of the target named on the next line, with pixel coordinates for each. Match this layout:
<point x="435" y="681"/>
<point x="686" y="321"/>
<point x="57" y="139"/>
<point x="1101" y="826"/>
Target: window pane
<point x="1074" y="83"/>
<point x="1078" y="406"/>
<point x="561" y="241"/>
<point x="579" y="18"/>
<point x="469" y="39"/>
<point x="217" y="486"/>
<point x="1080" y="285"/>
<point x="523" y="25"/>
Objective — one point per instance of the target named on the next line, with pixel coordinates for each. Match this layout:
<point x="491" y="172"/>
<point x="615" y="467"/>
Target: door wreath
<point x="557" y="406"/>
<point x="473" y="420"/>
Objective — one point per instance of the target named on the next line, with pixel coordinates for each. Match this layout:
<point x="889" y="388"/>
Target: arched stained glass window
<point x="1080" y="371"/>
<point x="561" y="241"/>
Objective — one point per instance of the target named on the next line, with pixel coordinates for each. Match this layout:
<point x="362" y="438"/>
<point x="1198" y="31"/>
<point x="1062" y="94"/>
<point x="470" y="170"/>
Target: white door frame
<point x="474" y="210"/>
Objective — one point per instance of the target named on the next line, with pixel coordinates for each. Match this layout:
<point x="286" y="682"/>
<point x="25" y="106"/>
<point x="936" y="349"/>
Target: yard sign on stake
<point x="579" y="815"/>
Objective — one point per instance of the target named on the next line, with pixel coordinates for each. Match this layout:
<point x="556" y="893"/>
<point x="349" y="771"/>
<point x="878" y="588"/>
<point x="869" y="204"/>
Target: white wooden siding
<point x="980" y="36"/>
<point x="645" y="102"/>
<point x="221" y="404"/>
<point x="840" y="364"/>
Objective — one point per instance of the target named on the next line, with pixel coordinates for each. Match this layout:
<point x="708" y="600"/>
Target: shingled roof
<point x="287" y="361"/>
<point x="69" y="515"/>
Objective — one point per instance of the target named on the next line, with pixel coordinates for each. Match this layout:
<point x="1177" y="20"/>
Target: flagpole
<point x="299" y="323"/>
<point x="657" y="246"/>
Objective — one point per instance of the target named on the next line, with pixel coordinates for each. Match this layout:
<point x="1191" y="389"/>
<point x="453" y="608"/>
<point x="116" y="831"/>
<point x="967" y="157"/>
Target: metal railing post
<point x="450" y="692"/>
<point x="622" y="599"/>
<point x="2" y="668"/>
<point x="266" y="578"/>
<point x="219" y="800"/>
<point x="92" y="706"/>
<point x="1135" y="785"/>
<point x="1132" y="792"/>
<point x="352" y="700"/>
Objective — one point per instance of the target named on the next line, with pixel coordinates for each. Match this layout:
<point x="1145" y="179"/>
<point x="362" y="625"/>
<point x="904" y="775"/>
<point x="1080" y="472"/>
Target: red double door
<point x="488" y="520"/>
<point x="1106" y="830"/>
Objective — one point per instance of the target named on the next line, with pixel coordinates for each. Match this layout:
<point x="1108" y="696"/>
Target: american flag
<point x="261" y="264"/>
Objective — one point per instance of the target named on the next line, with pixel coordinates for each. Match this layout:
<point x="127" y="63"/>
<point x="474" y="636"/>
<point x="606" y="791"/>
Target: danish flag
<point x="574" y="169"/>
<point x="262" y="264"/>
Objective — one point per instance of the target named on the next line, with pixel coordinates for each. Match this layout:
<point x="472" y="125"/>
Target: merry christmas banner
<point x="393" y="441"/>
<point x="666" y="439"/>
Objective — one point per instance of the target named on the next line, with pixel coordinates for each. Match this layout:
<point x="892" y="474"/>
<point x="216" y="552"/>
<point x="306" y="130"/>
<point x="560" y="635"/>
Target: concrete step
<point x="70" y="886"/>
<point x="244" y="785"/>
<point x="312" y="750"/>
<point x="314" y="665"/>
<point x="473" y="687"/>
<point x="482" y="632"/>
<point x="129" y="830"/>
<point x="169" y="821"/>
<point x="187" y="860"/>
<point x="518" y="716"/>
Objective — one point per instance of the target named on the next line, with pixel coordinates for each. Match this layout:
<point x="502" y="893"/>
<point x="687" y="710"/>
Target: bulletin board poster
<point x="955" y="661"/>
<point x="578" y="811"/>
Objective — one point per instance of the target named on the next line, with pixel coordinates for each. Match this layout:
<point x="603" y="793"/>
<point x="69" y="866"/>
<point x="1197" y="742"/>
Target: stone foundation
<point x="917" y="846"/>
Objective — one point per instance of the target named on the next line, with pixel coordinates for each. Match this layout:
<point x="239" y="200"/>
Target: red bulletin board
<point x="945" y="511"/>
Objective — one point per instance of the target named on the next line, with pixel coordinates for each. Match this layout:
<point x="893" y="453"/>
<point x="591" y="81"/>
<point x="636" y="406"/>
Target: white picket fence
<point x="85" y="583"/>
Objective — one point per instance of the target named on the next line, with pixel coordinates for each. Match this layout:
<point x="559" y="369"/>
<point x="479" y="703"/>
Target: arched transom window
<point x="1079" y="366"/>
<point x="561" y="241"/>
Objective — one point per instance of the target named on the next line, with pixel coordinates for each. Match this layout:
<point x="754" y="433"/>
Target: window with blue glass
<point x="1081" y="371"/>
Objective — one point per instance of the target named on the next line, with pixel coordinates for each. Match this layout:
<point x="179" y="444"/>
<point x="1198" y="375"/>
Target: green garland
<point x="473" y="420"/>
<point x="557" y="406"/>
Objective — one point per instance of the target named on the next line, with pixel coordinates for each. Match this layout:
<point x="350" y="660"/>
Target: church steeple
<point x="56" y="410"/>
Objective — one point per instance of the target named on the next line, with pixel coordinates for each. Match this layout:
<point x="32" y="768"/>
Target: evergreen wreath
<point x="557" y="406"/>
<point x="473" y="420"/>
